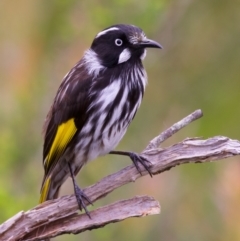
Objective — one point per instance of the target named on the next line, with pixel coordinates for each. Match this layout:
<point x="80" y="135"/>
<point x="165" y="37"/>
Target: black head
<point x="120" y="43"/>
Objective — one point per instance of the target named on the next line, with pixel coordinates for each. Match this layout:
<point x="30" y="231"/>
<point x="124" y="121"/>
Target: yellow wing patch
<point x="64" y="135"/>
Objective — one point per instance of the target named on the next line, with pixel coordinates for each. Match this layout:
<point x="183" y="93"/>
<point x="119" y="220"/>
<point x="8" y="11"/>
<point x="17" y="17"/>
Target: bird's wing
<point x="66" y="117"/>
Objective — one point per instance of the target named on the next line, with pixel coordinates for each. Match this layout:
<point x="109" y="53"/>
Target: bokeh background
<point x="198" y="68"/>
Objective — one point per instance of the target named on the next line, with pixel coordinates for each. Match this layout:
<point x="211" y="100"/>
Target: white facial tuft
<point x="124" y="56"/>
<point x="92" y="63"/>
<point x="105" y="31"/>
<point x="142" y="57"/>
<point x="134" y="39"/>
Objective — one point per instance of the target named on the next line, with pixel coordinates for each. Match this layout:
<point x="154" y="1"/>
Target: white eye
<point x="118" y="42"/>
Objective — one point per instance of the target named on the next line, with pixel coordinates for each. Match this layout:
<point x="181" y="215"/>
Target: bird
<point x="93" y="107"/>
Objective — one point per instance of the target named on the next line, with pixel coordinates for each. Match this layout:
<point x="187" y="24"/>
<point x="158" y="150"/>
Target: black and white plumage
<point x="94" y="105"/>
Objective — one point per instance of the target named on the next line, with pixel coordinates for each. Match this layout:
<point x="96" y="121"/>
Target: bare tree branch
<point x="155" y="142"/>
<point x="191" y="150"/>
<point x="76" y="223"/>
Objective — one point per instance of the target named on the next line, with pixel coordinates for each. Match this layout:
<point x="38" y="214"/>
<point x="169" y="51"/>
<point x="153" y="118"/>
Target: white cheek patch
<point x="124" y="56"/>
<point x="142" y="57"/>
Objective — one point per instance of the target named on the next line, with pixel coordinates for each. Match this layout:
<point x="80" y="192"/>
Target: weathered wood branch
<point x="155" y="142"/>
<point x="136" y="207"/>
<point x="60" y="216"/>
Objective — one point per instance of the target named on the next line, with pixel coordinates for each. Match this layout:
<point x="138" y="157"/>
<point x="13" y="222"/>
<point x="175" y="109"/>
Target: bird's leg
<point x="136" y="159"/>
<point x="80" y="196"/>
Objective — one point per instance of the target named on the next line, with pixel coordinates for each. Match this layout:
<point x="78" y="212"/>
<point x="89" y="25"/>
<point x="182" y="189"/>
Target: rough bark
<point x="60" y="216"/>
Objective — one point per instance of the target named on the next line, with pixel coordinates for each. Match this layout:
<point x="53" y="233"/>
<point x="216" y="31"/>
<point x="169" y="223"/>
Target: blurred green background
<point x="199" y="67"/>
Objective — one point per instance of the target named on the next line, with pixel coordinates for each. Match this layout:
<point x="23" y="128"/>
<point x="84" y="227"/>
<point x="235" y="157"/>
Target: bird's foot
<point x="136" y="159"/>
<point x="81" y="199"/>
<point x="79" y="194"/>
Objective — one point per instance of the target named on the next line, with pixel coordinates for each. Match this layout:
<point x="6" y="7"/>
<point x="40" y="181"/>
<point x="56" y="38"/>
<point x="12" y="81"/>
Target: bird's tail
<point x="53" y="181"/>
<point x="47" y="190"/>
<point x="47" y="193"/>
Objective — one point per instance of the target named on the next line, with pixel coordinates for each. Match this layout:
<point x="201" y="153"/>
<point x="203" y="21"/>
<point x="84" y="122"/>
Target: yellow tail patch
<point x="45" y="189"/>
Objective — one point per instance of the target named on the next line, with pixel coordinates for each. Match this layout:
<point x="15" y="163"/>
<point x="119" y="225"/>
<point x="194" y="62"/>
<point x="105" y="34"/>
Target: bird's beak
<point x="149" y="43"/>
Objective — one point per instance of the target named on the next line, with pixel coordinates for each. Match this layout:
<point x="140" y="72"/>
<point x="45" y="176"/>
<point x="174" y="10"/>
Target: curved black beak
<point x="149" y="43"/>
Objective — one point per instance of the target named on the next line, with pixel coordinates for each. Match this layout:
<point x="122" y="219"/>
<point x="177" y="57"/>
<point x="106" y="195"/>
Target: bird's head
<point x="121" y="43"/>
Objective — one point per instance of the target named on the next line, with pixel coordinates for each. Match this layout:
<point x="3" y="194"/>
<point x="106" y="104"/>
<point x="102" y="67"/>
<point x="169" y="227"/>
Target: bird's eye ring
<point x="118" y="42"/>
